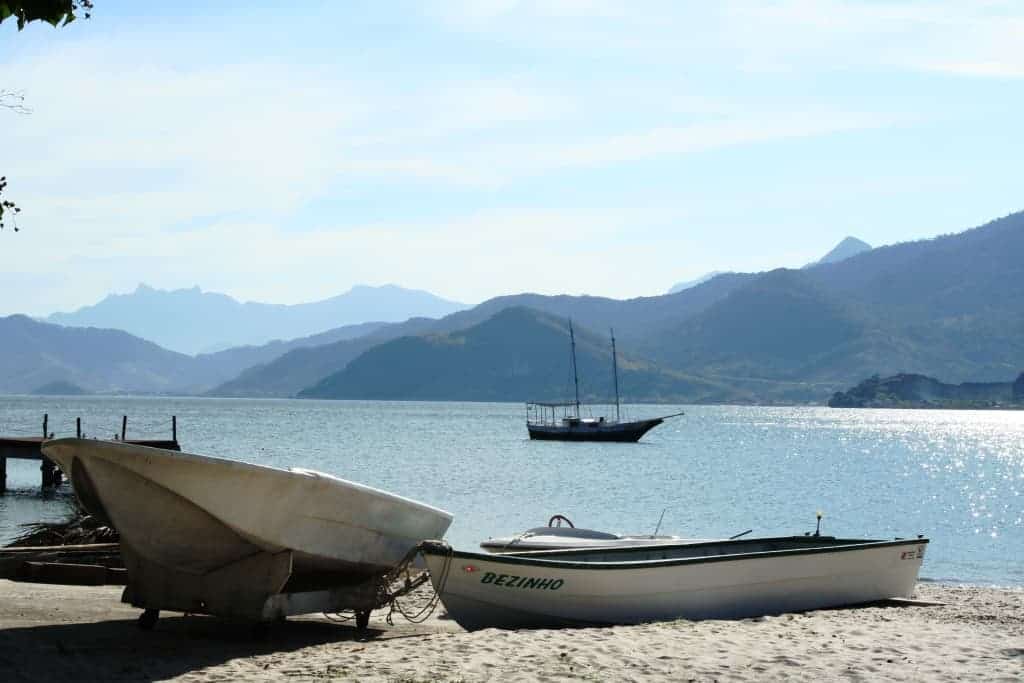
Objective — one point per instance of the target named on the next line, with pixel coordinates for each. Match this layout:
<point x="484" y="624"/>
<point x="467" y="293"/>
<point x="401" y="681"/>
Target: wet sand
<point x="85" y="633"/>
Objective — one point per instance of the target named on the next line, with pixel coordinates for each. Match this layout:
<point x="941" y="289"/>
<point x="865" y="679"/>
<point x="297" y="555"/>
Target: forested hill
<point x="633" y="320"/>
<point x="918" y="391"/>
<point x="40" y="357"/>
<point x="518" y="354"/>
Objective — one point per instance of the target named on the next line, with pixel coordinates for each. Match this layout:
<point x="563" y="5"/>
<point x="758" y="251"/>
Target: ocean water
<point x="955" y="476"/>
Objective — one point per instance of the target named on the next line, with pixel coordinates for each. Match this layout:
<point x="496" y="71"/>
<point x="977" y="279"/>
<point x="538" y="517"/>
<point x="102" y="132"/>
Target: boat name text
<point x="512" y="581"/>
<point x="913" y="554"/>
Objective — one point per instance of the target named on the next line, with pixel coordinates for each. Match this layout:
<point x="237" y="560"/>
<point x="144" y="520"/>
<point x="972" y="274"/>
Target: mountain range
<point x="193" y="321"/>
<point x="952" y="306"/>
<point x="847" y="247"/>
<point x="517" y="354"/>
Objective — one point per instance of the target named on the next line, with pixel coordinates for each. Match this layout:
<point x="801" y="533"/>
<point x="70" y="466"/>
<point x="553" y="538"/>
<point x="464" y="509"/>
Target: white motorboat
<point x="715" y="580"/>
<point x="557" y="537"/>
<point x="182" y="516"/>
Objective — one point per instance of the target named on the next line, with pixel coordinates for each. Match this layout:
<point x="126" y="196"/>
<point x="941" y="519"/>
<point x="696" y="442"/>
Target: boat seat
<point x="569" y="531"/>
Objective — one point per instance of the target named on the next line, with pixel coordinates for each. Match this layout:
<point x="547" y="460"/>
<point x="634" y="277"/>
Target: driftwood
<point x="79" y="550"/>
<point x="80" y="528"/>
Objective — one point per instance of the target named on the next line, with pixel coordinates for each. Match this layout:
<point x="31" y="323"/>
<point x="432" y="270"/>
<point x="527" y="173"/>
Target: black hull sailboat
<point x="543" y="424"/>
<point x="594" y="430"/>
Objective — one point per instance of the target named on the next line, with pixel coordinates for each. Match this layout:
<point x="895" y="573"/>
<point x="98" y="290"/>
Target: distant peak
<point x="680" y="286"/>
<point x="848" y="247"/>
<point x="851" y="241"/>
<point x="143" y="288"/>
<point x="374" y="288"/>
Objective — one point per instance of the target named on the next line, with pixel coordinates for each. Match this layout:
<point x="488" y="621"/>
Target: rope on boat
<point x="522" y="536"/>
<point x="397" y="582"/>
<point x="392" y="598"/>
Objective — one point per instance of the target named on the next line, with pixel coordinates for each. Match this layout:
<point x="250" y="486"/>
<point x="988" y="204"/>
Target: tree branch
<point x="7" y="206"/>
<point x="14" y="100"/>
<point x="53" y="12"/>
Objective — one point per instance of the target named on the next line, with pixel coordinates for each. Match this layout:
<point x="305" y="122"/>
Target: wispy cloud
<point x="964" y="38"/>
<point x="469" y="149"/>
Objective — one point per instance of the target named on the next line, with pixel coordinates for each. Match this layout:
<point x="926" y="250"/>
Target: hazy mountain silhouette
<point x="193" y="321"/>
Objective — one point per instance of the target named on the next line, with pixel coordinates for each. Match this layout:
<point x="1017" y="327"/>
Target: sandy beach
<point x="85" y="633"/>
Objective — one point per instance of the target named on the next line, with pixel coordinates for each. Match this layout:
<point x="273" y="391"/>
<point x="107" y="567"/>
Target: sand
<point x="85" y="633"/>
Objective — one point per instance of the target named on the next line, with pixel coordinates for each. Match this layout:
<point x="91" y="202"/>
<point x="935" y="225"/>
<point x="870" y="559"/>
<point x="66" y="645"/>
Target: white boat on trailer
<point x="214" y="536"/>
<point x="714" y="580"/>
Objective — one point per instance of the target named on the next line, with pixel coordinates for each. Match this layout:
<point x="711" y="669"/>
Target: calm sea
<point x="955" y="476"/>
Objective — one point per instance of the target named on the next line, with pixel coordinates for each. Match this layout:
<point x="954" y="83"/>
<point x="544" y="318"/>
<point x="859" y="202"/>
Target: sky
<point x="487" y="147"/>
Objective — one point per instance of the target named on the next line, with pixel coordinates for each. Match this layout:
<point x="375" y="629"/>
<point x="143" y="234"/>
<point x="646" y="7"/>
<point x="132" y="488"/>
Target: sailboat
<point x="563" y="422"/>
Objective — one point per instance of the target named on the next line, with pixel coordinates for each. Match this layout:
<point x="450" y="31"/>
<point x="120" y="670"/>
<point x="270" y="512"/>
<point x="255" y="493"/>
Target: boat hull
<point x="481" y="590"/>
<point x="624" y="432"/>
<point x="191" y="513"/>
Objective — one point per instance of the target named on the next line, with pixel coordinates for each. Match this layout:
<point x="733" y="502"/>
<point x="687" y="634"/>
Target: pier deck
<point x="31" y="448"/>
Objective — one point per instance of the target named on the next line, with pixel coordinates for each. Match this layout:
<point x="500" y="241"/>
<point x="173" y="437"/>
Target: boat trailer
<point x="260" y="588"/>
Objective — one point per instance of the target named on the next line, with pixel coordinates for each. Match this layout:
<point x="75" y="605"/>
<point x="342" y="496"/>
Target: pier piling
<point x="51" y="478"/>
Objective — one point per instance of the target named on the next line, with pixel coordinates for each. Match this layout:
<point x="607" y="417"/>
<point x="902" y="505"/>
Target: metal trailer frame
<point x="254" y="588"/>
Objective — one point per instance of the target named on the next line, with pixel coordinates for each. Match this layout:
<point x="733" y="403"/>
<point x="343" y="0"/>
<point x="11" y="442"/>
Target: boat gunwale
<point x="245" y="465"/>
<point x="535" y="558"/>
<point x="603" y="423"/>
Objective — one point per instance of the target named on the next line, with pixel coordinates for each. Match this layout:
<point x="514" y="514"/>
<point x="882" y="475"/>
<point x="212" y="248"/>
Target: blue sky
<point x="483" y="148"/>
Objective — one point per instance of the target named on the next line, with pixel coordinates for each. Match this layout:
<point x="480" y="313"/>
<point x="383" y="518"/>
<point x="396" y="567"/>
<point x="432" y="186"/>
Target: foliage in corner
<point x="6" y="205"/>
<point x="53" y="12"/>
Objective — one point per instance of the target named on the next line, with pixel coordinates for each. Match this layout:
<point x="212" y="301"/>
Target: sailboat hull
<point x="623" y="432"/>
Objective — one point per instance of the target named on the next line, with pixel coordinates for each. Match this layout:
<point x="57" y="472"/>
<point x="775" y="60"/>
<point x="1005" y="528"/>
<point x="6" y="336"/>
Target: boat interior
<point x="740" y="547"/>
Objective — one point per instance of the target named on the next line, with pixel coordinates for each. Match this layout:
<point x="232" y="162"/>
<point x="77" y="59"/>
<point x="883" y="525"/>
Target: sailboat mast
<point x="615" y="373"/>
<point x="575" y="377"/>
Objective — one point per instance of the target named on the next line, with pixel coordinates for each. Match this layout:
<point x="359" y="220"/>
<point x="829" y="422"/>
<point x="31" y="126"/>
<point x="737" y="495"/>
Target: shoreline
<point x="52" y="632"/>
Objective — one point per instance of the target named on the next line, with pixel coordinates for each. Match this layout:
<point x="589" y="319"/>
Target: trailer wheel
<point x="147" y="620"/>
<point x="362" y="620"/>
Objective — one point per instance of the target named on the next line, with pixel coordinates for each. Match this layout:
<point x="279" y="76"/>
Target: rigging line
<point x="615" y="372"/>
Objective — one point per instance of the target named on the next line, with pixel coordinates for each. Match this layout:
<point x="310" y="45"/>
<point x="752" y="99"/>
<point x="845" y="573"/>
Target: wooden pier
<point x="31" y="448"/>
